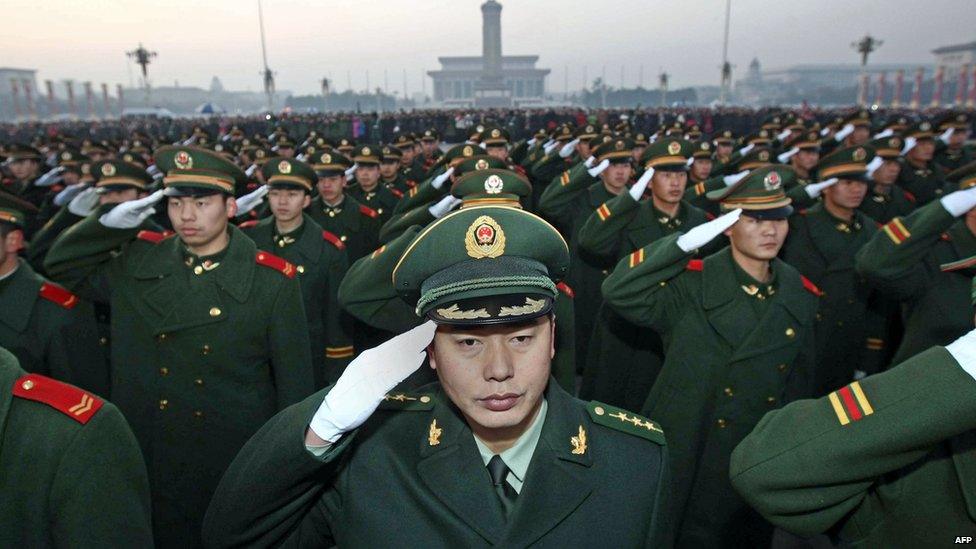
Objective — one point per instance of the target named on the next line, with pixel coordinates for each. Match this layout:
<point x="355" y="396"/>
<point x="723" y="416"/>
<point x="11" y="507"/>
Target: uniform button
<point x="790" y="333"/>
<point x="850" y="301"/>
<point x="721" y="423"/>
<point x="163" y="404"/>
<point x="27" y="385"/>
<point x="342" y="238"/>
<point x="301" y="269"/>
<point x="606" y="272"/>
<point x="770" y="400"/>
<point x="214" y="311"/>
<point x="161" y="337"/>
<point x="782" y="367"/>
<point x="198" y="382"/>
<point x="103" y="341"/>
<point x="198" y="414"/>
<point x="728" y="391"/>
<point x="663" y="283"/>
<point x="164" y="371"/>
<point x="818" y="317"/>
<point x="198" y="270"/>
<point x="206" y="349"/>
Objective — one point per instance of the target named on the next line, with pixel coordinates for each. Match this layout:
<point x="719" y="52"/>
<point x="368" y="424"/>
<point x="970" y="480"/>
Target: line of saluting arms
<point x="592" y="337"/>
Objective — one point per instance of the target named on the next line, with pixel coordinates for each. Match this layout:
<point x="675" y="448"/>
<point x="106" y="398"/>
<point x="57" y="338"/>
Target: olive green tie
<point x="499" y="473"/>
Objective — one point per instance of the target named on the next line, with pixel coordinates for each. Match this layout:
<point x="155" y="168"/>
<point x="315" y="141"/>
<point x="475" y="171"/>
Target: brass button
<point x="164" y="371"/>
<point x="198" y="270"/>
<point x="206" y="349"/>
<point x="331" y="214"/>
<point x="198" y="382"/>
<point x="163" y="404"/>
<point x="663" y="283"/>
<point x="790" y="333"/>
<point x="818" y="317"/>
<point x="161" y="337"/>
<point x="599" y="410"/>
<point x="301" y="269"/>
<point x="198" y="414"/>
<point x="770" y="400"/>
<point x="721" y="423"/>
<point x="342" y="238"/>
<point x="606" y="272"/>
<point x="425" y="399"/>
<point x="728" y="391"/>
<point x="782" y="367"/>
<point x="103" y="341"/>
<point x="27" y="385"/>
<point x="214" y="311"/>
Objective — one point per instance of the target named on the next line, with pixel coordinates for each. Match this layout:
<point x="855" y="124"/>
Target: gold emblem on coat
<point x="579" y="442"/>
<point x="434" y="434"/>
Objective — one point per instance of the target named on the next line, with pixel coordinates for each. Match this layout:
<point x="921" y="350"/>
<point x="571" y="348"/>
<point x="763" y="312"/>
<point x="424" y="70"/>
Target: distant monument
<point x="492" y="80"/>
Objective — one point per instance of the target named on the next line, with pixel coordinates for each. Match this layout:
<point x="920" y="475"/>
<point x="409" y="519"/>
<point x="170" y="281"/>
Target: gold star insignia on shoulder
<point x="434" y="434"/>
<point x="636" y="421"/>
<point x="399" y="397"/>
<point x="579" y="442"/>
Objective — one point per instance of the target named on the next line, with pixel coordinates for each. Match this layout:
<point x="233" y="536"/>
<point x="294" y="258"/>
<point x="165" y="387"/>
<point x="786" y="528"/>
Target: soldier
<point x="821" y="245"/>
<point x="367" y="189"/>
<point x="70" y="470"/>
<point x="430" y="141"/>
<point x="209" y="337"/>
<point x="357" y="225"/>
<point x="623" y="358"/>
<point x="701" y="166"/>
<point x="319" y="258"/>
<point x="920" y="175"/>
<point x="950" y="151"/>
<point x="411" y="166"/>
<point x="48" y="329"/>
<point x="886" y="200"/>
<point x="390" y="176"/>
<point x="882" y="462"/>
<point x="738" y="328"/>
<point x="904" y="261"/>
<point x="495" y="141"/>
<point x="495" y="453"/>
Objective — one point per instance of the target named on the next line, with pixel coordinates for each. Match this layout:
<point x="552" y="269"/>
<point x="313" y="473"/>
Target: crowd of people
<point x="643" y="327"/>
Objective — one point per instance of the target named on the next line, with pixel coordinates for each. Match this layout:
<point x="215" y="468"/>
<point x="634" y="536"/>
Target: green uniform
<point x="319" y="258"/>
<point x="903" y="261"/>
<point x="381" y="199"/>
<point x="204" y="350"/>
<point x="925" y="182"/>
<point x="403" y="477"/>
<point x="730" y="358"/>
<point x="625" y="359"/>
<point x="357" y="226"/>
<point x="884" y="462"/>
<point x="70" y="476"/>
<point x="883" y="207"/>
<point x="850" y="323"/>
<point x="952" y="159"/>
<point x="51" y="331"/>
<point x="400" y="185"/>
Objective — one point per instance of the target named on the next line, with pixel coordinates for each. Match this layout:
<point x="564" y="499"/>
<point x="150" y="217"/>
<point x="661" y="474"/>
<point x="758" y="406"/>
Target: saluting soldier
<point x="367" y="189"/>
<point x="886" y="200"/>
<point x="920" y="175"/>
<point x="209" y="337"/>
<point x="71" y="473"/>
<point x="950" y="151"/>
<point x="430" y="142"/>
<point x="390" y="176"/>
<point x="738" y="328"/>
<point x="904" y="260"/>
<point x="883" y="462"/>
<point x="356" y="224"/>
<point x="495" y="453"/>
<point x="319" y="258"/>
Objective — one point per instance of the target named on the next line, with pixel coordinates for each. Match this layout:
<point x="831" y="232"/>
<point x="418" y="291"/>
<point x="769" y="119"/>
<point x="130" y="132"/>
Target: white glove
<point x="351" y="171"/>
<point x="887" y="133"/>
<point x="568" y="148"/>
<point x="703" y="234"/>
<point x="68" y="193"/>
<point x="944" y="136"/>
<point x="874" y="164"/>
<point x="814" y="189"/>
<point x="910" y="143"/>
<point x="690" y="161"/>
<point x="745" y="150"/>
<point x="824" y="132"/>
<point x="637" y="191"/>
<point x="84" y="202"/>
<point x="190" y="140"/>
<point x="250" y="170"/>
<point x="300" y="157"/>
<point x="131" y="214"/>
<point x="548" y="144"/>
<point x="964" y="351"/>
<point x="589" y="161"/>
<point x="50" y="178"/>
<point x="154" y="171"/>
<point x="367" y="379"/>
<point x="653" y="138"/>
<point x="548" y="149"/>
<point x="531" y="142"/>
<point x="848" y="129"/>
<point x="438" y="181"/>
<point x="783" y="134"/>
<point x="595" y="172"/>
<point x="445" y="205"/>
<point x="730" y="180"/>
<point x="251" y="200"/>
<point x="959" y="202"/>
<point x="785" y="157"/>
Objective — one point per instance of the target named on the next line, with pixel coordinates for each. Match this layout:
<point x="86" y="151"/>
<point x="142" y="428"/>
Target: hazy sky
<point x="307" y="40"/>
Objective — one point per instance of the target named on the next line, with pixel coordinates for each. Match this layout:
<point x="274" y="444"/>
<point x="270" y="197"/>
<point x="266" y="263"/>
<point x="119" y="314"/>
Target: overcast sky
<point x="308" y="39"/>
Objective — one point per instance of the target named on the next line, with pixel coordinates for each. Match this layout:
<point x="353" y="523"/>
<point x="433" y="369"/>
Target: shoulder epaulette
<point x="407" y="402"/>
<point x="622" y="420"/>
<point x="248" y="224"/>
<point x="59" y="295"/>
<point x="151" y="236"/>
<point x="73" y="402"/>
<point x="335" y="240"/>
<point x="810" y="286"/>
<point x="276" y="263"/>
<point x="367" y="211"/>
<point x="566" y="289"/>
<point x="910" y="196"/>
<point x="695" y="265"/>
<point x="396" y="192"/>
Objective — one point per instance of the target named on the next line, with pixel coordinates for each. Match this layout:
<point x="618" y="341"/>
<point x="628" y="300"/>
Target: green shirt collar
<point x="520" y="454"/>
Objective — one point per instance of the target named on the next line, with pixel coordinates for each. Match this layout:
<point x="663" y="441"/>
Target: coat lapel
<point x="784" y="312"/>
<point x="18" y="295"/>
<point x="557" y="481"/>
<point x="964" y="456"/>
<point x="9" y="373"/>
<point x="310" y="243"/>
<point x="718" y="298"/>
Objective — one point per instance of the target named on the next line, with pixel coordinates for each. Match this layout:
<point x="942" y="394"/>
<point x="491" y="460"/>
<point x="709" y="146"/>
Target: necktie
<point x="499" y="473"/>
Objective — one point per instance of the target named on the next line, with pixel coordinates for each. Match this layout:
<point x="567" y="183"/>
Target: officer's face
<point x="846" y="193"/>
<point x="669" y="187"/>
<point x="616" y="175"/>
<point x="429" y="147"/>
<point x="495" y="375"/>
<point x="23" y="169"/>
<point x="958" y="137"/>
<point x="119" y="196"/>
<point x="701" y="168"/>
<point x="497" y="151"/>
<point x="407" y="156"/>
<point x="201" y="220"/>
<point x="923" y="150"/>
<point x="583" y="149"/>
<point x="637" y="152"/>
<point x="860" y="136"/>
<point x="723" y="150"/>
<point x="287" y="204"/>
<point x="12" y="242"/>
<point x="806" y="159"/>
<point x="367" y="175"/>
<point x="887" y="173"/>
<point x="758" y="239"/>
<point x="389" y="169"/>
<point x="71" y="178"/>
<point x="330" y="188"/>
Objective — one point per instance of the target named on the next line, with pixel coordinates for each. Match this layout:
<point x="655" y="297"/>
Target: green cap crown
<point x="964" y="176"/>
<point x="618" y="149"/>
<point x="283" y="172"/>
<point x="189" y="167"/>
<point x="762" y="189"/>
<point x="14" y="211"/>
<point x="491" y="185"/>
<point x="669" y="152"/>
<point x="846" y="163"/>
<point x="118" y="173"/>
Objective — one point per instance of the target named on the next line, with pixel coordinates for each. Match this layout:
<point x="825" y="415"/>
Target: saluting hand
<point x="814" y="189"/>
<point x="84" y="201"/>
<point x="705" y="233"/>
<point x="131" y="214"/>
<point x="251" y="200"/>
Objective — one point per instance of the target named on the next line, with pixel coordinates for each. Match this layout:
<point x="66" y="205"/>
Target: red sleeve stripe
<point x="636" y="258"/>
<point x="850" y="403"/>
<point x="603" y="211"/>
<point x="896" y="231"/>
